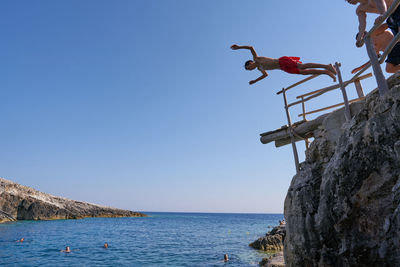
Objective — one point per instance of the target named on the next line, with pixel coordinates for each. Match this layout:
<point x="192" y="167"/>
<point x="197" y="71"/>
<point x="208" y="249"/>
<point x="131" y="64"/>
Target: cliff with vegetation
<point x="343" y="207"/>
<point x="19" y="202"/>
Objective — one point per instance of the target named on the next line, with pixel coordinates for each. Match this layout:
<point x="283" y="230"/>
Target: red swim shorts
<point x="289" y="64"/>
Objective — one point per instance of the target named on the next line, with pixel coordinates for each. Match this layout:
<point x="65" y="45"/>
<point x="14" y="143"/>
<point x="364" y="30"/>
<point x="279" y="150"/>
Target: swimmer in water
<point x="105" y="245"/>
<point x="67" y="250"/>
<point x="226" y="258"/>
<point x="21" y="240"/>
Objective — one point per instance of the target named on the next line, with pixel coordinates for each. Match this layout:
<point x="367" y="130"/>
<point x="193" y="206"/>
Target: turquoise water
<point x="163" y="239"/>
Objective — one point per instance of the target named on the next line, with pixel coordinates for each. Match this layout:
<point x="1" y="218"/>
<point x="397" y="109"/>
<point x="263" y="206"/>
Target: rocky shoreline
<point x="272" y="242"/>
<point x="276" y="260"/>
<point x="18" y="202"/>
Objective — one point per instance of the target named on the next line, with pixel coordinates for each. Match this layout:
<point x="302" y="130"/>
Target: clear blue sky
<point x="142" y="105"/>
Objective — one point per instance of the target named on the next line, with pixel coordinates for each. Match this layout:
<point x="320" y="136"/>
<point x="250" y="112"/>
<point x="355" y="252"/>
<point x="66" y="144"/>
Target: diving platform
<point x="302" y="131"/>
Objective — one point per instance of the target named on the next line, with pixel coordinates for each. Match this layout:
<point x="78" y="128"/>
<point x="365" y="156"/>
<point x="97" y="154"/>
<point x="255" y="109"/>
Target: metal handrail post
<point x="295" y="154"/>
<point x="303" y="105"/>
<point x="343" y="88"/>
<point x="380" y="79"/>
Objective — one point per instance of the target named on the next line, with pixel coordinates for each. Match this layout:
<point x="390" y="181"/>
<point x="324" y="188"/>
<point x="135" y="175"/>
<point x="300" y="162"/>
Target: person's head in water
<point x="226" y="257"/>
<point x="105" y="245"/>
<point x="250" y="65"/>
<point x="67" y="249"/>
<point x="21" y="240"/>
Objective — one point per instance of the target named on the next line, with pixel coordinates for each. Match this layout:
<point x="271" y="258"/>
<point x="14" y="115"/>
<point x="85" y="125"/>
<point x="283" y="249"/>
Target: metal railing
<point x="316" y="93"/>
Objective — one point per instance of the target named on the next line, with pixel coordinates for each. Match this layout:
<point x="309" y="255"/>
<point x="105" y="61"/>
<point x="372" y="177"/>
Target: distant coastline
<point x="18" y="202"/>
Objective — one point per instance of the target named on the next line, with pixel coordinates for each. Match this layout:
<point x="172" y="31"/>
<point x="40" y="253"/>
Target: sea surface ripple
<point x="162" y="239"/>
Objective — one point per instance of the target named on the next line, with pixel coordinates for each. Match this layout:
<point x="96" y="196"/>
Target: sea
<point x="161" y="239"/>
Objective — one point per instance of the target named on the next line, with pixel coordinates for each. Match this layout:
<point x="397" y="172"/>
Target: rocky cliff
<point x="19" y="202"/>
<point x="343" y="207"/>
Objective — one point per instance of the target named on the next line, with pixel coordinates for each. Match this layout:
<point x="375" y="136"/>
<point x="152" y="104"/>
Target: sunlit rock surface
<point x="272" y="241"/>
<point x="342" y="208"/>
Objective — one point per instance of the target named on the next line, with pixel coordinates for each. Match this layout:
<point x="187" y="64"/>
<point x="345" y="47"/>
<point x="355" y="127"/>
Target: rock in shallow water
<point x="272" y="241"/>
<point x="276" y="260"/>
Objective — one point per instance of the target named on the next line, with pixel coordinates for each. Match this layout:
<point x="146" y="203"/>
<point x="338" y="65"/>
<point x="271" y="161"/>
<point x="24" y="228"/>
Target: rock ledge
<point x="273" y="241"/>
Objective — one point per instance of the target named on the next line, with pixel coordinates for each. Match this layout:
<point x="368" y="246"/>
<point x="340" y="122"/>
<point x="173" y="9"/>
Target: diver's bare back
<point x="267" y="63"/>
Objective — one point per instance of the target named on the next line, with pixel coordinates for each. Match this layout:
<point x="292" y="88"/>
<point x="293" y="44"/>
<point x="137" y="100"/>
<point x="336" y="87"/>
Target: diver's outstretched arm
<point x="265" y="74"/>
<point x="253" y="52"/>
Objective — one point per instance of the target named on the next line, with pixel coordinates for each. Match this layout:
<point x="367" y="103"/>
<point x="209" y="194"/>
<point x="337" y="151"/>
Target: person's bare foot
<point x="332" y="69"/>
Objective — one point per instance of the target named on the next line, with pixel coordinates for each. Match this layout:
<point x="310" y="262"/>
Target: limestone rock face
<point x="343" y="207"/>
<point x="272" y="241"/>
<point x="19" y="202"/>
